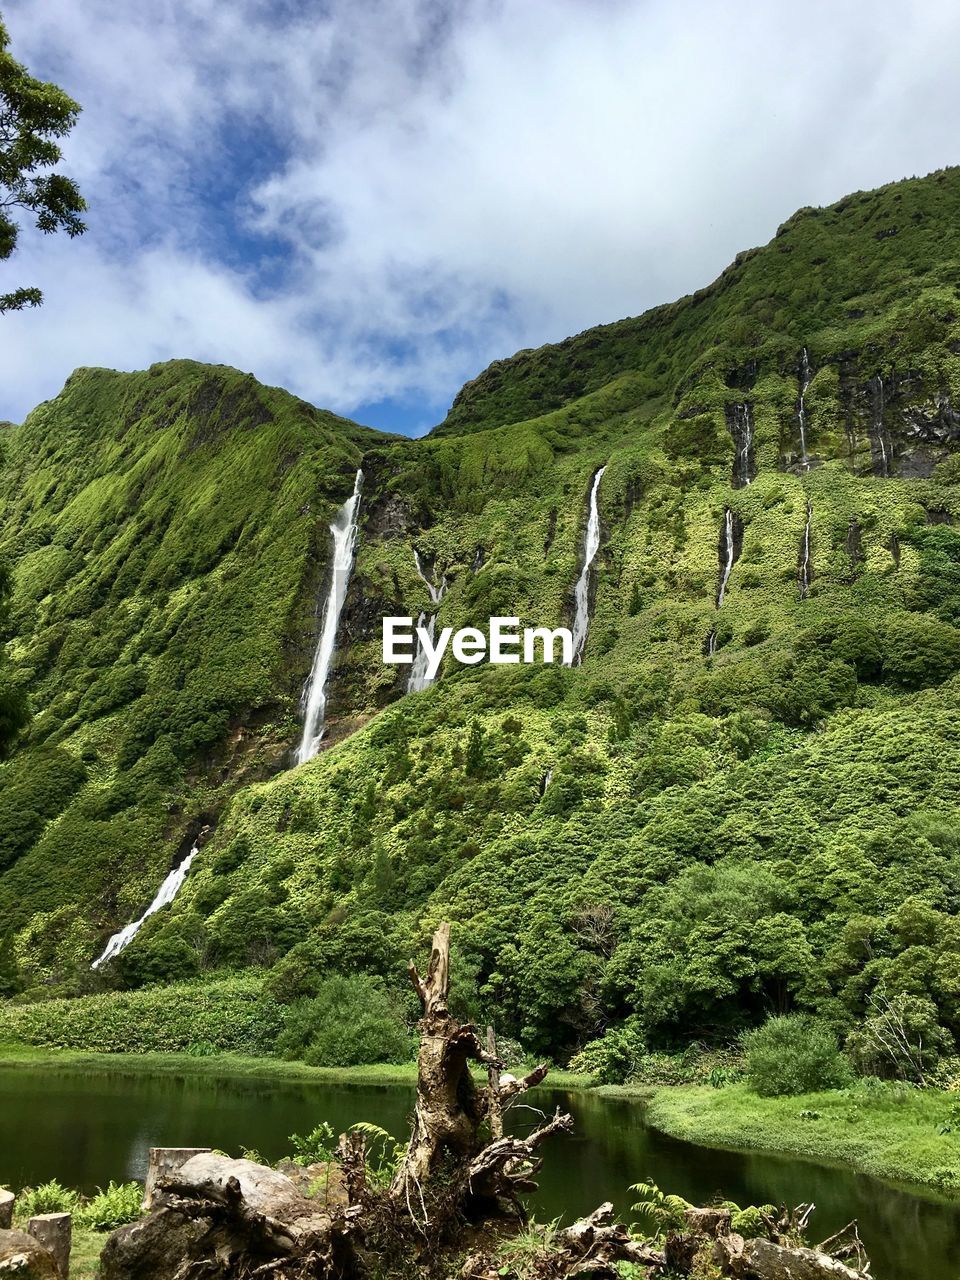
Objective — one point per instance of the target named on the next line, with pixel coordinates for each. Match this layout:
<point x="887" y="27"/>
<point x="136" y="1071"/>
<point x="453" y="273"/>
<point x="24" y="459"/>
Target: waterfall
<point x="418" y="672"/>
<point x="545" y="781"/>
<point x="727" y="551"/>
<point x="805" y="376"/>
<point x="165" y="895"/>
<point x="344" y="531"/>
<point x="740" y="426"/>
<point x="878" y="425"/>
<point x="727" y="555"/>
<point x="591" y="544"/>
<point x="806" y="567"/>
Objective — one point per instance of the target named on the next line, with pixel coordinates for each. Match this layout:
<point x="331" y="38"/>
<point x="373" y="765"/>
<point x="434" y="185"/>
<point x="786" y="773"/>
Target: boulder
<point x="155" y="1247"/>
<point x="7" y="1200"/>
<point x="23" y="1258"/>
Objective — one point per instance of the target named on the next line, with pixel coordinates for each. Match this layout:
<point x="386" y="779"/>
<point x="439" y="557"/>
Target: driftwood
<point x="458" y="1185"/>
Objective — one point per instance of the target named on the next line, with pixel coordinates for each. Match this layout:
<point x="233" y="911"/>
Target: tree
<point x="33" y="114"/>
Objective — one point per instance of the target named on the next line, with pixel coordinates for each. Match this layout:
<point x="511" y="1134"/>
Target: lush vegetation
<point x="661" y="846"/>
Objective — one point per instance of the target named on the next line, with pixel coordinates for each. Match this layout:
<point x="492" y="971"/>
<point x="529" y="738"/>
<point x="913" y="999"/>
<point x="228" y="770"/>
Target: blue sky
<point x="368" y="201"/>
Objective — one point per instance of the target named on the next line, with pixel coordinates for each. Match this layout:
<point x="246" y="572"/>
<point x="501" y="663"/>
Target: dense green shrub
<point x="112" y="1207"/>
<point x="794" y="1054"/>
<point x="349" y="1022"/>
<point x="616" y="1057"/>
<point x="232" y="1014"/>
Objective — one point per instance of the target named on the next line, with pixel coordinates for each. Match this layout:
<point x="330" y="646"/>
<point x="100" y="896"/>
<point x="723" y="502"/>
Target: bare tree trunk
<point x="450" y="1110"/>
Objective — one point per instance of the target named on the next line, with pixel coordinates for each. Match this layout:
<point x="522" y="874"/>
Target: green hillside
<point x="724" y="812"/>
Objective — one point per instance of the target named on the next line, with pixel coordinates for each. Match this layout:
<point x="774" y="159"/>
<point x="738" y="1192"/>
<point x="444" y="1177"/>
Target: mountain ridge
<point x="682" y="832"/>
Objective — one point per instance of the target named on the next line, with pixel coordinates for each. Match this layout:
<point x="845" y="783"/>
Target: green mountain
<point x="744" y="800"/>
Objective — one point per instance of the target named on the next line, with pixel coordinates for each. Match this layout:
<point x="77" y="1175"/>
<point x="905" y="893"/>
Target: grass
<point x="229" y="1066"/>
<point x="900" y="1134"/>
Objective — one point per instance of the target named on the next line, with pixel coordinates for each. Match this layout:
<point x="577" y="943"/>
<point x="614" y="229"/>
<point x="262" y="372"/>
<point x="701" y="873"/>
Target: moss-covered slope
<point x="724" y="811"/>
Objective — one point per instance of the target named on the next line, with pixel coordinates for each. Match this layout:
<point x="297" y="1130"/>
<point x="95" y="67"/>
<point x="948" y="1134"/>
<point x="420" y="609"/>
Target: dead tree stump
<point x="55" y="1232"/>
<point x="450" y="1110"/>
<point x="7" y="1201"/>
<point x="163" y="1163"/>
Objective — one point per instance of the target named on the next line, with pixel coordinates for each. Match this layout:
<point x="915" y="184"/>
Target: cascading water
<point x="727" y="551"/>
<point x="878" y="407"/>
<point x="418" y="672"/>
<point x="726" y="554"/>
<point x="740" y="425"/>
<point x="591" y="545"/>
<point x="344" y="531"/>
<point x="806" y="565"/>
<point x="165" y="895"/>
<point x="805" y="377"/>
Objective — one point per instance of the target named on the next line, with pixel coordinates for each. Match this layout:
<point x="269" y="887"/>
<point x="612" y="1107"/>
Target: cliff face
<point x="720" y="812"/>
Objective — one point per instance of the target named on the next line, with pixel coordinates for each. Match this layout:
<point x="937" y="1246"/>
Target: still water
<point x="87" y="1127"/>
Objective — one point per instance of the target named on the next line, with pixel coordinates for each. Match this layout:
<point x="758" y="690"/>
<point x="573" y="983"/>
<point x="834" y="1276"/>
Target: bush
<point x="615" y="1058"/>
<point x="349" y="1022"/>
<point x="49" y="1197"/>
<point x="232" y="1014"/>
<point x="794" y="1054"/>
<point x="112" y="1208"/>
<point x="901" y="1039"/>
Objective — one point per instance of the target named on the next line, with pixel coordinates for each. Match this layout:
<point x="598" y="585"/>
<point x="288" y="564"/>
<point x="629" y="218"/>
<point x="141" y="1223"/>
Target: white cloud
<point x="445" y="189"/>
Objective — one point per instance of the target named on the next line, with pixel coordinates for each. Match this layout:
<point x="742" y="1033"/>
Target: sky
<point x="367" y="201"/>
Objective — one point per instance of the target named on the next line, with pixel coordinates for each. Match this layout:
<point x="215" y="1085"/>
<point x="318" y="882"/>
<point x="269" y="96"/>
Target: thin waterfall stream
<point x="805" y="377"/>
<point x="418" y="672"/>
<point x="727" y="552"/>
<point x="806" y="566"/>
<point x="344" y="533"/>
<point x="164" y="896"/>
<point x="591" y="545"/>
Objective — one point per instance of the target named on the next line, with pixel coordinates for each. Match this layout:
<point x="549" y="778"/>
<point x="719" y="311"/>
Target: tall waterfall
<point x="727" y="551"/>
<point x="418" y="672"/>
<point x="344" y="531"/>
<point x="878" y="406"/>
<point x="740" y="426"/>
<point x="165" y="895"/>
<point x="806" y="565"/>
<point x="727" y="555"/>
<point x="805" y="376"/>
<point x="591" y="545"/>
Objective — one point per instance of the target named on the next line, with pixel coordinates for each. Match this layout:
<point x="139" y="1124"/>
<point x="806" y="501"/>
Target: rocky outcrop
<point x="23" y="1258"/>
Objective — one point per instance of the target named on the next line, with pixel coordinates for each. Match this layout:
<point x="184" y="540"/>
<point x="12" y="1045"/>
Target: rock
<point x="7" y="1200"/>
<point x="55" y="1232"/>
<point x="23" y="1258"/>
<point x="155" y="1247"/>
<point x="164" y="1162"/>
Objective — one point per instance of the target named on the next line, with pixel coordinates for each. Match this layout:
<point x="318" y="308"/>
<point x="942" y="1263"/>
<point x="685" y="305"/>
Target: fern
<point x="665" y="1211"/>
<point x="384" y="1153"/>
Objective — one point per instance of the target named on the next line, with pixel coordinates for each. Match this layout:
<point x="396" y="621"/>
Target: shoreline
<point x="906" y="1138"/>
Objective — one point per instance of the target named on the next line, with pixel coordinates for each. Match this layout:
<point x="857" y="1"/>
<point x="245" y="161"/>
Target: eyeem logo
<point x="503" y="642"/>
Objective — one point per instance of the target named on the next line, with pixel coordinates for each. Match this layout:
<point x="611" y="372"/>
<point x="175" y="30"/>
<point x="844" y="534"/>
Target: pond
<point x="86" y="1127"/>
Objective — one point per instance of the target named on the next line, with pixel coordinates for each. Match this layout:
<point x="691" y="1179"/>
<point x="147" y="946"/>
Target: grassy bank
<point x="229" y="1066"/>
<point x="900" y="1134"/>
